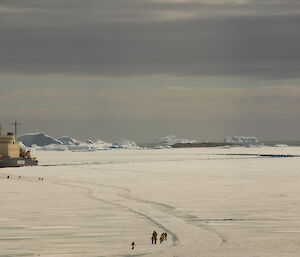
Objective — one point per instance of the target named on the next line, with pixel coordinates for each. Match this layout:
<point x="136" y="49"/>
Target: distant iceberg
<point x="43" y="142"/>
<point x="38" y="139"/>
<point x="172" y="139"/>
<point x="68" y="141"/>
<point x="125" y="144"/>
<point x="281" y="145"/>
<point x="242" y="140"/>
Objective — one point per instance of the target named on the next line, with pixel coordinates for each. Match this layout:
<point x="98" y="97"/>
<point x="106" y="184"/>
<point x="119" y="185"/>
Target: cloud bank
<point x="256" y="39"/>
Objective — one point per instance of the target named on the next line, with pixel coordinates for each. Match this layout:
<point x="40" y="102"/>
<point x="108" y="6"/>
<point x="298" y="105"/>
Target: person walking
<point x="161" y="239"/>
<point x="132" y="245"/>
<point x="154" y="237"/>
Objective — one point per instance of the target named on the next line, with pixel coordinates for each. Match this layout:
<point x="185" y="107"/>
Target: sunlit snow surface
<point x="97" y="203"/>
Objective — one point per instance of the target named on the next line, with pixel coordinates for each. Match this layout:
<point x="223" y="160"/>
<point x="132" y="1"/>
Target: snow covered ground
<point x="97" y="203"/>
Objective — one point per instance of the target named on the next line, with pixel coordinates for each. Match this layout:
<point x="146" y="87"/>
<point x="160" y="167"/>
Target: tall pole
<point x="16" y="127"/>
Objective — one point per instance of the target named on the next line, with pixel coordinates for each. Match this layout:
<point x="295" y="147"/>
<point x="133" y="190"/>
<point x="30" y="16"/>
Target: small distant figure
<point x="132" y="245"/>
<point x="166" y="236"/>
<point x="7" y="177"/>
<point x="19" y="177"/>
<point x="154" y="237"/>
<point x="161" y="239"/>
<point x="42" y="178"/>
<point x="39" y="178"/>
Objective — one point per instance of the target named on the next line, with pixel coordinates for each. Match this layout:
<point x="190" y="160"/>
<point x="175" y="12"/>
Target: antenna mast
<point x="16" y="127"/>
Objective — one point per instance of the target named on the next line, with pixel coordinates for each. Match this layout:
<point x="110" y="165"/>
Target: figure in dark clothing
<point x="132" y="245"/>
<point x="153" y="240"/>
<point x="154" y="237"/>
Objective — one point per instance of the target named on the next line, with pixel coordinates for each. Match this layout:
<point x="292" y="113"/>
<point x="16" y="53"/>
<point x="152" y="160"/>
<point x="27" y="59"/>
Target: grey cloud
<point x="133" y="38"/>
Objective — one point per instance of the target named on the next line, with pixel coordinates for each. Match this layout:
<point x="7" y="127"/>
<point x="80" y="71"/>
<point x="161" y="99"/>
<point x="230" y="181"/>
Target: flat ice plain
<point x="97" y="203"/>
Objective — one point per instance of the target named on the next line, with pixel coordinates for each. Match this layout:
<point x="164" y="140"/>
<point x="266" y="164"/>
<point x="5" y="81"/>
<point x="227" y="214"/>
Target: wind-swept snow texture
<point x="211" y="202"/>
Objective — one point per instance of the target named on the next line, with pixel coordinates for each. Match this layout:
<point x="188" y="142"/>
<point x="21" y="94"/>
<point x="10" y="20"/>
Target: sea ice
<point x="211" y="201"/>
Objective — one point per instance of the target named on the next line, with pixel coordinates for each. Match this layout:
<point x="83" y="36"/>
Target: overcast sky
<point x="142" y="69"/>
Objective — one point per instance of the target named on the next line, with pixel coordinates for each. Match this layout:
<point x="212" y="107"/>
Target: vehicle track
<point x="125" y="193"/>
<point x="165" y="216"/>
<point x="91" y="194"/>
